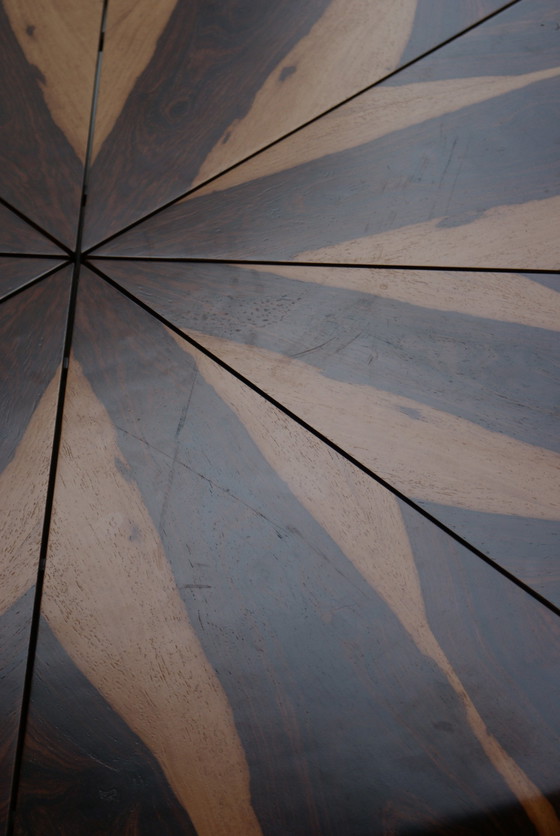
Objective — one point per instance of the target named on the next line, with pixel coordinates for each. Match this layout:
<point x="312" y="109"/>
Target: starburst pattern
<point x="279" y="314"/>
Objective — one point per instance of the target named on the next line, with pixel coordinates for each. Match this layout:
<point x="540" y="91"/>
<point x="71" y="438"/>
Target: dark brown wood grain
<point x="49" y="51"/>
<point x="437" y="169"/>
<point x="224" y="80"/>
<point x="357" y="353"/>
<point x="17" y="236"/>
<point x="365" y="670"/>
<point x="31" y="342"/>
<point x="85" y="772"/>
<point x="15" y="272"/>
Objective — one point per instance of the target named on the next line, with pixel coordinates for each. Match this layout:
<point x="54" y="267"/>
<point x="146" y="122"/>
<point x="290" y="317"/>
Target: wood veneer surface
<point x="49" y="52"/>
<point x="31" y="341"/>
<point x="189" y="89"/>
<point x="299" y="651"/>
<point x="17" y="236"/>
<point x="445" y="384"/>
<point x="452" y="162"/>
<point x="15" y="272"/>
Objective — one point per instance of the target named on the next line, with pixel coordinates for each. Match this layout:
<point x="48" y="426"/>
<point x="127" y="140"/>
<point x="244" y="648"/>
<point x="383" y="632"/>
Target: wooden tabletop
<point x="280" y="500"/>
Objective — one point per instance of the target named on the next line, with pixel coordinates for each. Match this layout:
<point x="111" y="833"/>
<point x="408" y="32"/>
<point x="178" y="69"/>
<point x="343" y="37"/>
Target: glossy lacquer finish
<point x="445" y="384"/>
<point x="191" y="88"/>
<point x="31" y="341"/>
<point x="258" y="634"/>
<point x="49" y="51"/>
<point x="453" y="161"/>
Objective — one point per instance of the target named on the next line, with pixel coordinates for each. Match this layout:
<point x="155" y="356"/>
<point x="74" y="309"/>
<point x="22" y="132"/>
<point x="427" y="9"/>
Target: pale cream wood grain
<point x="354" y="43"/>
<point x="503" y="297"/>
<point x="436" y="456"/>
<point x="111" y="599"/>
<point x="364" y="519"/>
<point x="23" y="490"/>
<point x="516" y="237"/>
<point x="376" y="113"/>
<point x="61" y="38"/>
<point x="132" y="33"/>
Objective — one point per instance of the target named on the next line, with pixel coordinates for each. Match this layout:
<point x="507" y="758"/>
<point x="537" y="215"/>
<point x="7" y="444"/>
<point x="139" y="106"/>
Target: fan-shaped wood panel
<point x="299" y="650"/>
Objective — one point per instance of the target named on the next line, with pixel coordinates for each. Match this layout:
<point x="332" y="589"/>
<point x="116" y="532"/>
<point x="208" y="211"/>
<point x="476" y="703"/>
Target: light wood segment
<point x="132" y="31"/>
<point x="110" y="598"/>
<point x="380" y="550"/>
<point x="511" y="297"/>
<point x="443" y="383"/>
<point x="448" y="163"/>
<point x="382" y="111"/>
<point x="513" y="237"/>
<point x="197" y="533"/>
<point x="247" y="76"/>
<point x="427" y="453"/>
<point x="31" y="344"/>
<point x="351" y="45"/>
<point x="60" y="39"/>
<point x="23" y="486"/>
<point x="49" y="53"/>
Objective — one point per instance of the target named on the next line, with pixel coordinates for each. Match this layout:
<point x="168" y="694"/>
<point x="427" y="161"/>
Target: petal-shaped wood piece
<point x="49" y="52"/>
<point x="445" y="384"/>
<point x="452" y="162"/>
<point x="299" y="650"/>
<point x="189" y="89"/>
<point x="31" y="343"/>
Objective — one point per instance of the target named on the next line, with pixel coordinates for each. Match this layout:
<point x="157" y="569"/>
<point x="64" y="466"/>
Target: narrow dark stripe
<point x="325" y="264"/>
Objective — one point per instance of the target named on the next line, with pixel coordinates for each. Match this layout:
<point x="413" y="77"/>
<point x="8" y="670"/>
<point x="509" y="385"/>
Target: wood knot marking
<point x="30" y="30"/>
<point x="286" y="72"/>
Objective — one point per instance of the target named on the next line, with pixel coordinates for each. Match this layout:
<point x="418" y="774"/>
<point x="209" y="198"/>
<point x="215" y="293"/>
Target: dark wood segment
<point x="17" y="236"/>
<point x="49" y="53"/>
<point x="85" y="771"/>
<point x="189" y="89"/>
<point x="445" y="384"/>
<point x="300" y="652"/>
<point x="31" y="343"/>
<point x="453" y="162"/>
<point x="15" y="272"/>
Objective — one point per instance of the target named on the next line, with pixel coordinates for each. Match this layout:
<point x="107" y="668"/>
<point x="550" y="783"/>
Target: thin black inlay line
<point x="36" y="227"/>
<point x="59" y="256"/>
<point x="329" y="264"/>
<point x="333" y="446"/>
<point x="91" y="129"/>
<point x="35" y="280"/>
<point x="274" y="142"/>
<point x="57" y="436"/>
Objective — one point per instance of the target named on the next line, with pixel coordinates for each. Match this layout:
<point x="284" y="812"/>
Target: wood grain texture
<point x="349" y="664"/>
<point x="31" y="340"/>
<point x="85" y="771"/>
<point x="49" y="52"/>
<point x="15" y="272"/>
<point x="17" y="236"/>
<point x="452" y="162"/>
<point x="189" y="89"/>
<point x="444" y="384"/>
